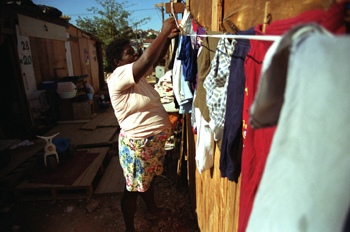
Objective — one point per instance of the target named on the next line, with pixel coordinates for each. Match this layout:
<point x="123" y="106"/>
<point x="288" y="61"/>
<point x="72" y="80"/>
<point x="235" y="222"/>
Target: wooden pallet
<point x="84" y="138"/>
<point x="20" y="155"/>
<point x="103" y="119"/>
<point x="81" y="188"/>
<point x="112" y="180"/>
<point x="22" y="160"/>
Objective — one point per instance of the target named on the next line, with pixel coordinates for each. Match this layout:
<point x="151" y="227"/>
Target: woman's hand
<point x="156" y="51"/>
<point x="169" y="26"/>
<point x="173" y="33"/>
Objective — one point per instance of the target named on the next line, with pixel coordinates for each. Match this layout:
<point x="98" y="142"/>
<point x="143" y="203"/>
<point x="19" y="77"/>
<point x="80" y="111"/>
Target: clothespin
<point x="267" y="16"/>
<point x="222" y="28"/>
<point x="232" y="28"/>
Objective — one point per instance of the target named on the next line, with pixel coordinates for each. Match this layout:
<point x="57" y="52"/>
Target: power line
<point x="97" y="13"/>
<point x="160" y="17"/>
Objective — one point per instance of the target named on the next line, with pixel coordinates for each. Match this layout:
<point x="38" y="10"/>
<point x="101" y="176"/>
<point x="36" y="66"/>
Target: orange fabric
<point x="174" y="117"/>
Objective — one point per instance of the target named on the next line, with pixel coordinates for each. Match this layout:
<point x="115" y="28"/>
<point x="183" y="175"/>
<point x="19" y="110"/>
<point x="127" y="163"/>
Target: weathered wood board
<point x="97" y="137"/>
<point x="81" y="188"/>
<point x="216" y="200"/>
<point x="113" y="179"/>
<point x="95" y="83"/>
<point x="102" y="119"/>
<point x="20" y="155"/>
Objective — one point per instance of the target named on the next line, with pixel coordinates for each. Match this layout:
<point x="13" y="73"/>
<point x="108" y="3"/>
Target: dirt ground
<point x="74" y="216"/>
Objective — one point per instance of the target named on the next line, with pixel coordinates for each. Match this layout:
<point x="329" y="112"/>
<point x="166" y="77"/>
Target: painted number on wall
<point x="25" y="45"/>
<point x="27" y="59"/>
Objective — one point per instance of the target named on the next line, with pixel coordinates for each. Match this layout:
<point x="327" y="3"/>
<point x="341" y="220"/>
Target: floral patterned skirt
<point x="141" y="159"/>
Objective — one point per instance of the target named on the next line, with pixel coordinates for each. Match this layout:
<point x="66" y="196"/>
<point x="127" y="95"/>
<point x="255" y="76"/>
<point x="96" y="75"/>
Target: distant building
<point x="146" y="43"/>
<point x="141" y="41"/>
<point x="150" y="32"/>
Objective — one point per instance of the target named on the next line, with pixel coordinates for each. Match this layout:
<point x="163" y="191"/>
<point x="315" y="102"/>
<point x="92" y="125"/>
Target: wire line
<point x="97" y="13"/>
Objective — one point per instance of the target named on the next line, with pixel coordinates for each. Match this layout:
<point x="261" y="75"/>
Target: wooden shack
<point x="215" y="200"/>
<point x="36" y="49"/>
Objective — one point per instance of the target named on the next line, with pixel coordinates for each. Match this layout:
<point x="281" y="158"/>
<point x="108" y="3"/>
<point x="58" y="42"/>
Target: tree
<point x="112" y="22"/>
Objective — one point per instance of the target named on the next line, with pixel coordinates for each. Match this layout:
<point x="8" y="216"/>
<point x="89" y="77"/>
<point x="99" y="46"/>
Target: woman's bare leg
<point x="128" y="203"/>
<point x="148" y="197"/>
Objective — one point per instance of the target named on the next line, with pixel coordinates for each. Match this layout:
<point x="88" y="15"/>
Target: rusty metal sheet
<point x="248" y="13"/>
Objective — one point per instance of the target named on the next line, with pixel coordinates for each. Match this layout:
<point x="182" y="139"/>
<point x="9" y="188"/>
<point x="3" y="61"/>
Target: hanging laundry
<point x="205" y="57"/>
<point x="198" y="41"/>
<point x="306" y="181"/>
<point x="173" y="55"/>
<point x="194" y="56"/>
<point x="257" y="142"/>
<point x="231" y="148"/>
<point x="164" y="87"/>
<point x="182" y="91"/>
<point x="188" y="59"/>
<point x="215" y="85"/>
<point x="205" y="144"/>
<point x="198" y="47"/>
<point x="193" y="116"/>
<point x="199" y="38"/>
<point x="186" y="21"/>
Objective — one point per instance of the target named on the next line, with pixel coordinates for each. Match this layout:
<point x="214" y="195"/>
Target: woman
<point x="145" y="125"/>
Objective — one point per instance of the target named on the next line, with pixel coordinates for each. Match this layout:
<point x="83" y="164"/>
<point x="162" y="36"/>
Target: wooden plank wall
<point x="94" y="70"/>
<point x="214" y="199"/>
<point x="250" y="13"/>
<point x="201" y="10"/>
<point x="74" y="47"/>
<point x="60" y="60"/>
<point x="48" y="54"/>
<point x="77" y="70"/>
<point x="84" y="45"/>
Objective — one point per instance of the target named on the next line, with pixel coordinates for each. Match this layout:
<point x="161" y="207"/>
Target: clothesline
<point x="254" y="37"/>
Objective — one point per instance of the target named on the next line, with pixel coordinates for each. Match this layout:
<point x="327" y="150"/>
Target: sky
<point x="141" y="9"/>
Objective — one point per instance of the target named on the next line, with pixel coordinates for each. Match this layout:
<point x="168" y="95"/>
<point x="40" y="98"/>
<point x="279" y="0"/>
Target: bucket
<point x="90" y="96"/>
<point x="67" y="95"/>
<point x="62" y="145"/>
<point x="104" y="101"/>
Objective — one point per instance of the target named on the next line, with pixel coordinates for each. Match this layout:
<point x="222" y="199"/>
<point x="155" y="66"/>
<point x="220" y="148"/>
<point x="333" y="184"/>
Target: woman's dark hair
<point x="115" y="50"/>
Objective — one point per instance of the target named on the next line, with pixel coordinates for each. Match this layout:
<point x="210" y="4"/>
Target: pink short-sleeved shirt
<point x="137" y="106"/>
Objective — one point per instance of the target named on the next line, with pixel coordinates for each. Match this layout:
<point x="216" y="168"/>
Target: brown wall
<point x="201" y="11"/>
<point x="215" y="200"/>
<point x="248" y="13"/>
<point x="49" y="54"/>
<point x="85" y="67"/>
<point x="94" y="70"/>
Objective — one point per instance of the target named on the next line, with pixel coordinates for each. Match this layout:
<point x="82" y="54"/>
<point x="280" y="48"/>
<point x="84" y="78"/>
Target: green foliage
<point x="113" y="21"/>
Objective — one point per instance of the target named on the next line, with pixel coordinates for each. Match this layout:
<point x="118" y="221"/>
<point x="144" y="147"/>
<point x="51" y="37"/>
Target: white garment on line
<point x="205" y="143"/>
<point x="306" y="182"/>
